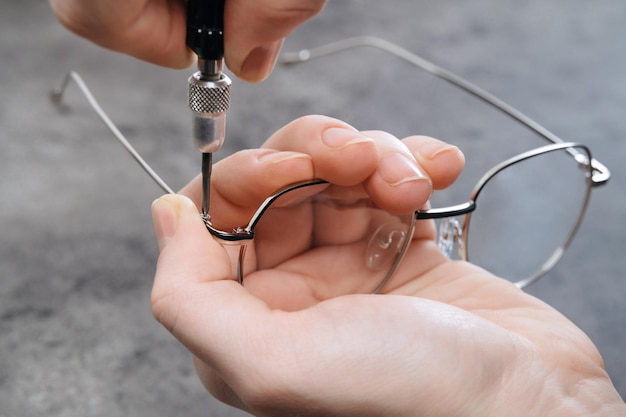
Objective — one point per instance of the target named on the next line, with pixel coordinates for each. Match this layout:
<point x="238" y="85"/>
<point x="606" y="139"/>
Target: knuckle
<point x="165" y="309"/>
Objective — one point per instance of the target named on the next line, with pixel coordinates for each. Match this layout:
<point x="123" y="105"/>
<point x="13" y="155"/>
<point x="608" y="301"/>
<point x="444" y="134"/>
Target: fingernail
<point x="165" y="220"/>
<point x="271" y="156"/>
<point x="260" y="62"/>
<point x="396" y="169"/>
<point x="338" y="137"/>
<point x="433" y="150"/>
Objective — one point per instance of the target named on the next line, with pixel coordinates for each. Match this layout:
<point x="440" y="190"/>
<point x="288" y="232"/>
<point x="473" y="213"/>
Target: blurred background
<point x="77" y="252"/>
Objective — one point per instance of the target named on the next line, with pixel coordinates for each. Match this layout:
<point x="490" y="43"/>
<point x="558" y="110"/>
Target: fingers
<point x="193" y="295"/>
<point x="308" y="148"/>
<point x="409" y="170"/>
<point x="190" y="259"/>
<point x="398" y="175"/>
<point x="242" y="181"/>
<point x="254" y="31"/>
<point x="400" y="178"/>
<point x="443" y="162"/>
<point x="155" y="31"/>
<point x="340" y="154"/>
<point x="147" y="40"/>
<point x="145" y="29"/>
<point x="399" y="184"/>
<point x="176" y="219"/>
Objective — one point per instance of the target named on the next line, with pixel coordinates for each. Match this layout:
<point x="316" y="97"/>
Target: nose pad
<point x="384" y="246"/>
<point x="450" y="234"/>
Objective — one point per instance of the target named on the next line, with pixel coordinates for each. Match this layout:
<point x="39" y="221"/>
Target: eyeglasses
<point x="531" y="206"/>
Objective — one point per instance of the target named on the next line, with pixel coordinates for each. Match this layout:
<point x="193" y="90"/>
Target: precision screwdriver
<point x="209" y="87"/>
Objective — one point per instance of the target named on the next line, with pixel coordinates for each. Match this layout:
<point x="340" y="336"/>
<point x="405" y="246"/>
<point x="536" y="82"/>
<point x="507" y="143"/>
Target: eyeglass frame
<point x="598" y="173"/>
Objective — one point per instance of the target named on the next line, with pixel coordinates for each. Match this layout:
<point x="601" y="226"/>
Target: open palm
<point x="444" y="337"/>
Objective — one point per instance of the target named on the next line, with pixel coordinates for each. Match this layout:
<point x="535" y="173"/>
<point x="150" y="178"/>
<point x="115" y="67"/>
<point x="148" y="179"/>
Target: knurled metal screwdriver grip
<point x="209" y="100"/>
<point x="209" y="88"/>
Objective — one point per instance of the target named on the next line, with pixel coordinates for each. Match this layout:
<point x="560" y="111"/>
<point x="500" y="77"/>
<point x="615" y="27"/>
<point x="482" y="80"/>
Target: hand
<point x="446" y="338"/>
<point x="154" y="30"/>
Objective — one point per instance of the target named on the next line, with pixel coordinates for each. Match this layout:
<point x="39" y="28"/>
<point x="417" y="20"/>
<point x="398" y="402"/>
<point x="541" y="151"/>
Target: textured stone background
<point x="77" y="252"/>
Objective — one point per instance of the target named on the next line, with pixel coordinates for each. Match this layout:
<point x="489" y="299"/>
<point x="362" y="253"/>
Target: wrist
<point x="591" y="397"/>
<point x="537" y="390"/>
<point x="579" y="397"/>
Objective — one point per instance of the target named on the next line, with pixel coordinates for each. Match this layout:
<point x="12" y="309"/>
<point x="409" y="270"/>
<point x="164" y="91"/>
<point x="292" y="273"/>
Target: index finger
<point x="295" y="153"/>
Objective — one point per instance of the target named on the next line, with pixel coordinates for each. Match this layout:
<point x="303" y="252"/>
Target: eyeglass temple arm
<point x="56" y="96"/>
<point x="444" y="212"/>
<point x="600" y="172"/>
<point x="600" y="175"/>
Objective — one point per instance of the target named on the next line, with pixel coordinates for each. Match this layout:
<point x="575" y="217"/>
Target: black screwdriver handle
<point x="205" y="28"/>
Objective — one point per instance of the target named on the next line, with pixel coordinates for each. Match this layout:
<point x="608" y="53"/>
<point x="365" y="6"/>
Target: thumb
<point x="194" y="296"/>
<point x="189" y="258"/>
<point x="255" y="29"/>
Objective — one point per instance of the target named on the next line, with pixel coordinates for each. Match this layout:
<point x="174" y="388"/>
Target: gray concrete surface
<point x="77" y="253"/>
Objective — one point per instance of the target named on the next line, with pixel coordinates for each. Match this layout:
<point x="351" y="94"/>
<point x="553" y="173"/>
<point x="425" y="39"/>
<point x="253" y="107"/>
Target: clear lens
<point x="527" y="214"/>
<point x="325" y="236"/>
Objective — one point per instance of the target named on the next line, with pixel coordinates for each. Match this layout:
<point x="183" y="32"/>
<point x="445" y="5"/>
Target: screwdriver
<point x="209" y="87"/>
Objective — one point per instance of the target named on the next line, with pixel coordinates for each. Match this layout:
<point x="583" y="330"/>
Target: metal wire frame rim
<point x="601" y="173"/>
<point x="583" y="160"/>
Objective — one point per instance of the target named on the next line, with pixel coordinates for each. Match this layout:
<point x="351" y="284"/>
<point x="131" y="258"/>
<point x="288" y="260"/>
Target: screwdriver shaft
<point x="207" y="167"/>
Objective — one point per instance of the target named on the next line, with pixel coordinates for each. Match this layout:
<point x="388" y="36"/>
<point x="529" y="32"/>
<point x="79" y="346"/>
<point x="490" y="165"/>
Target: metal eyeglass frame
<point x="598" y="174"/>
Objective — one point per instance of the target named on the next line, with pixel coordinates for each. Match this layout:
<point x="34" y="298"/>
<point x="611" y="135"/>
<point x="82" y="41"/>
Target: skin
<point x="154" y="30"/>
<point x="445" y="337"/>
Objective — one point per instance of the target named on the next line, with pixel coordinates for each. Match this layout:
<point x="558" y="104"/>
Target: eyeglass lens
<point x="527" y="213"/>
<point x="334" y="235"/>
